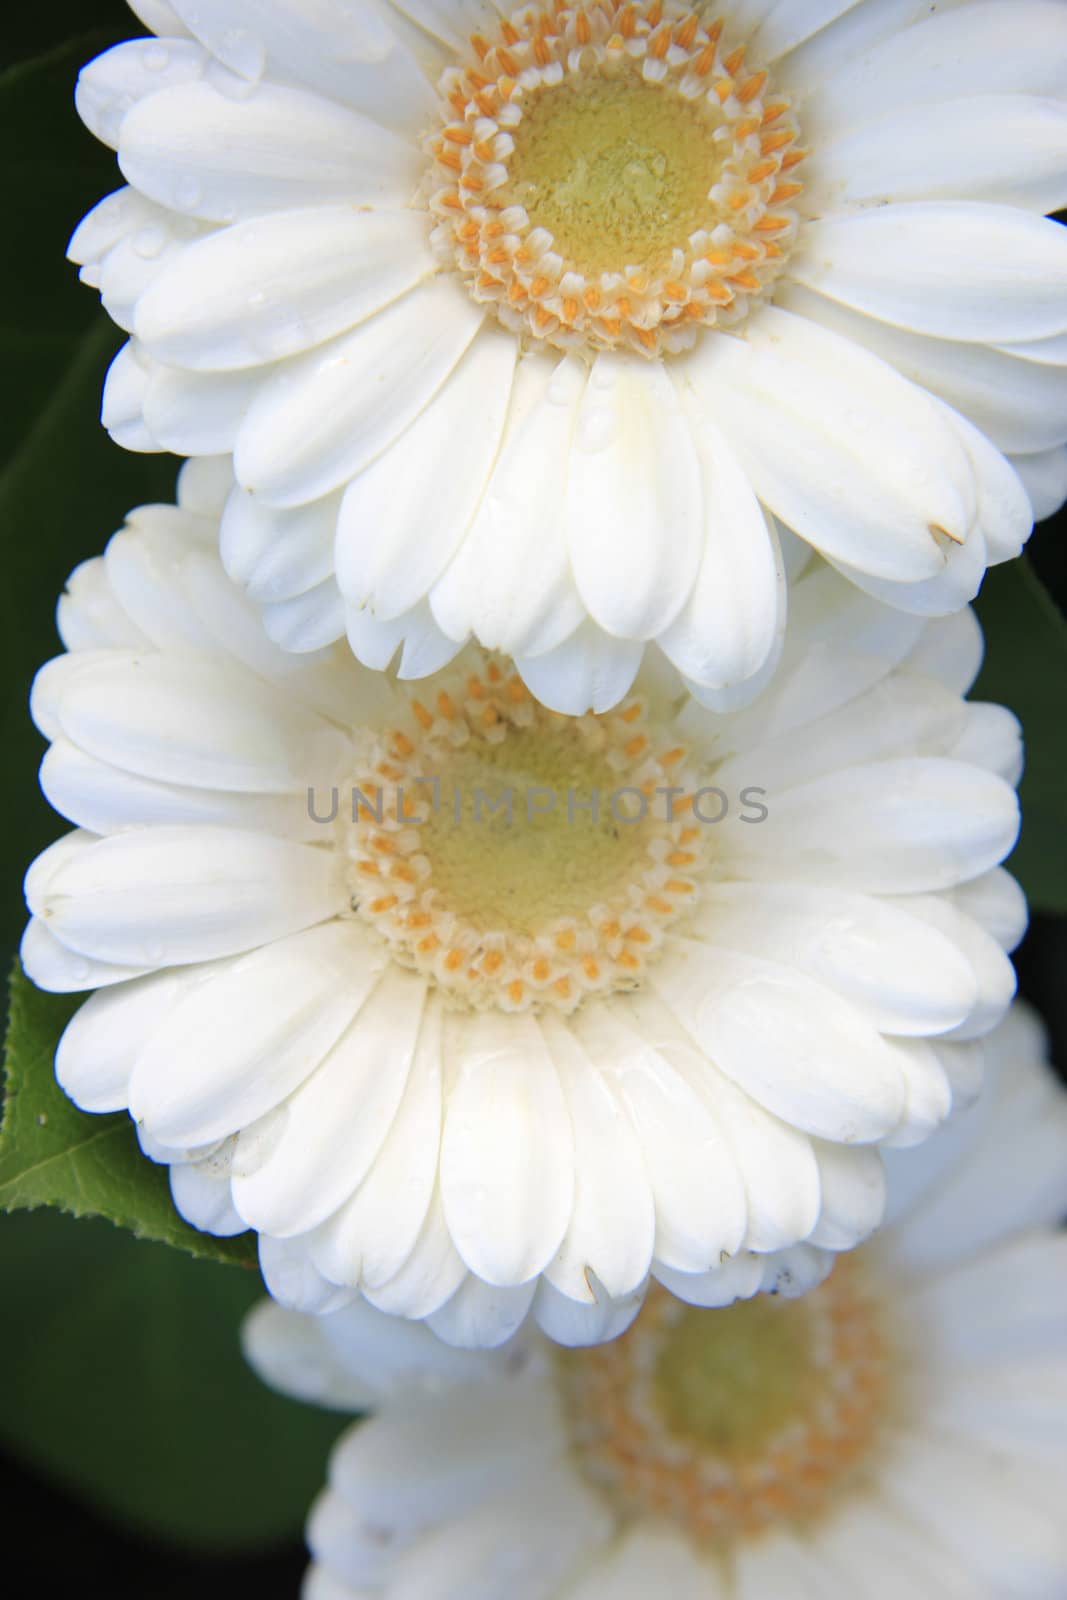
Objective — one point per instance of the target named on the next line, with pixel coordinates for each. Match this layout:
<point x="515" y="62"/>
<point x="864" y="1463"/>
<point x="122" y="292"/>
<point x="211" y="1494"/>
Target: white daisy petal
<point x="949" y="651"/>
<point x="986" y="47"/>
<point x="274" y="285"/>
<point x="404" y="515"/>
<point x="114" y="218"/>
<point x="430" y="1275"/>
<point x="1000" y="1523"/>
<point x="50" y="965"/>
<point x="761" y="1568"/>
<point x="791" y="1044"/>
<point x="283" y="1346"/>
<point x="215" y="891"/>
<point x="161" y="17"/>
<point x="737" y="1279"/>
<point x="777" y="1167"/>
<point x="507" y="1162"/>
<point x="1019" y="404"/>
<point x="1009" y="149"/>
<point x="632" y="470"/>
<point x="402" y="357"/>
<point x="369" y="1239"/>
<point x="131" y="267"/>
<point x="104" y="799"/>
<point x="645" y="1559"/>
<point x="216" y="727"/>
<point x="954" y="269"/>
<point x="196" y="413"/>
<point x="203" y="1199"/>
<point x="481" y="1317"/>
<point x="611" y="1232"/>
<point x="123" y="400"/>
<point x="276" y="555"/>
<point x="998" y="904"/>
<point x="790" y="393"/>
<point x="204" y="485"/>
<point x="852" y="1199"/>
<point x="142" y="573"/>
<point x="461" y="1558"/>
<point x="237" y="1042"/>
<point x="890" y="1550"/>
<point x="101" y="1041"/>
<point x="589" y="671"/>
<point x="853" y="831"/>
<point x="336" y="1122"/>
<point x="307" y="622"/>
<point x="575" y="1323"/>
<point x="221" y="156"/>
<point x="510" y="581"/>
<point x="1044" y="477"/>
<point x="89" y="616"/>
<point x="115" y="81"/>
<point x="366" y="66"/>
<point x="785" y="24"/>
<point x="904" y="976"/>
<point x="293" y="1281"/>
<point x="696" y="1187"/>
<point x="735" y="611"/>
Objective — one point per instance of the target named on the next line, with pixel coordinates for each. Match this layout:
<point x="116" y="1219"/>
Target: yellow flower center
<point x="521" y="858"/>
<point x="728" y="1422"/>
<point x="613" y="175"/>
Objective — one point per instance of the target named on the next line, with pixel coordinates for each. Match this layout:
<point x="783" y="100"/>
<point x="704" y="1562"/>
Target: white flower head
<point x="465" y="1005"/>
<point x="900" y="1431"/>
<point x="541" y="326"/>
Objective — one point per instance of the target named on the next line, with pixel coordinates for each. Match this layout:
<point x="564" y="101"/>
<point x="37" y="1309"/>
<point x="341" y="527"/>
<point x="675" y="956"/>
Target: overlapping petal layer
<point x="797" y="979"/>
<point x="577" y="1478"/>
<point x="272" y="260"/>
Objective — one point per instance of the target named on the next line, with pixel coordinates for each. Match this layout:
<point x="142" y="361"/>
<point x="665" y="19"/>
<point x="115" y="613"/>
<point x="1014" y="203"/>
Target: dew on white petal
<point x="596" y="429"/>
<point x="560" y="391"/>
<point x="187" y="193"/>
<point x="155" y="57"/>
<point x="150" y="242"/>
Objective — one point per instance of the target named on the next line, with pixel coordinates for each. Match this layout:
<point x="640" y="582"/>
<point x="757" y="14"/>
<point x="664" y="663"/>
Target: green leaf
<point x="123" y="1375"/>
<point x="124" y="1382"/>
<point x="52" y="1154"/>
<point x="1026" y="669"/>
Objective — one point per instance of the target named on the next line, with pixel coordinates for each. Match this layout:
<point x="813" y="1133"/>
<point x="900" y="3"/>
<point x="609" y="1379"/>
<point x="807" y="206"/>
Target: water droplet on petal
<point x="150" y="242"/>
<point x="187" y="194"/>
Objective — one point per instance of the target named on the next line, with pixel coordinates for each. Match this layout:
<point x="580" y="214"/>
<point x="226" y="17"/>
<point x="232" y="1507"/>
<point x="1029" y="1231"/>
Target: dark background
<point x="63" y="489"/>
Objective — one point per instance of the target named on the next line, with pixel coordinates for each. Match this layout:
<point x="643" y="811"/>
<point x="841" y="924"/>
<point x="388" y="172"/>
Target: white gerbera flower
<point x="517" y="323"/>
<point x="902" y="1431"/>
<point x="440" y="990"/>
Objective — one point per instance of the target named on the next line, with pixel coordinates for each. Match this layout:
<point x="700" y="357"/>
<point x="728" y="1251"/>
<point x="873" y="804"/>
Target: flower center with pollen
<point x="613" y="175"/>
<point x="729" y="1422"/>
<point x="520" y="858"/>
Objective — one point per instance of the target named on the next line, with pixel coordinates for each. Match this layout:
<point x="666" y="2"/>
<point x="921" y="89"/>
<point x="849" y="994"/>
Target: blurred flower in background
<point x="900" y="1430"/>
